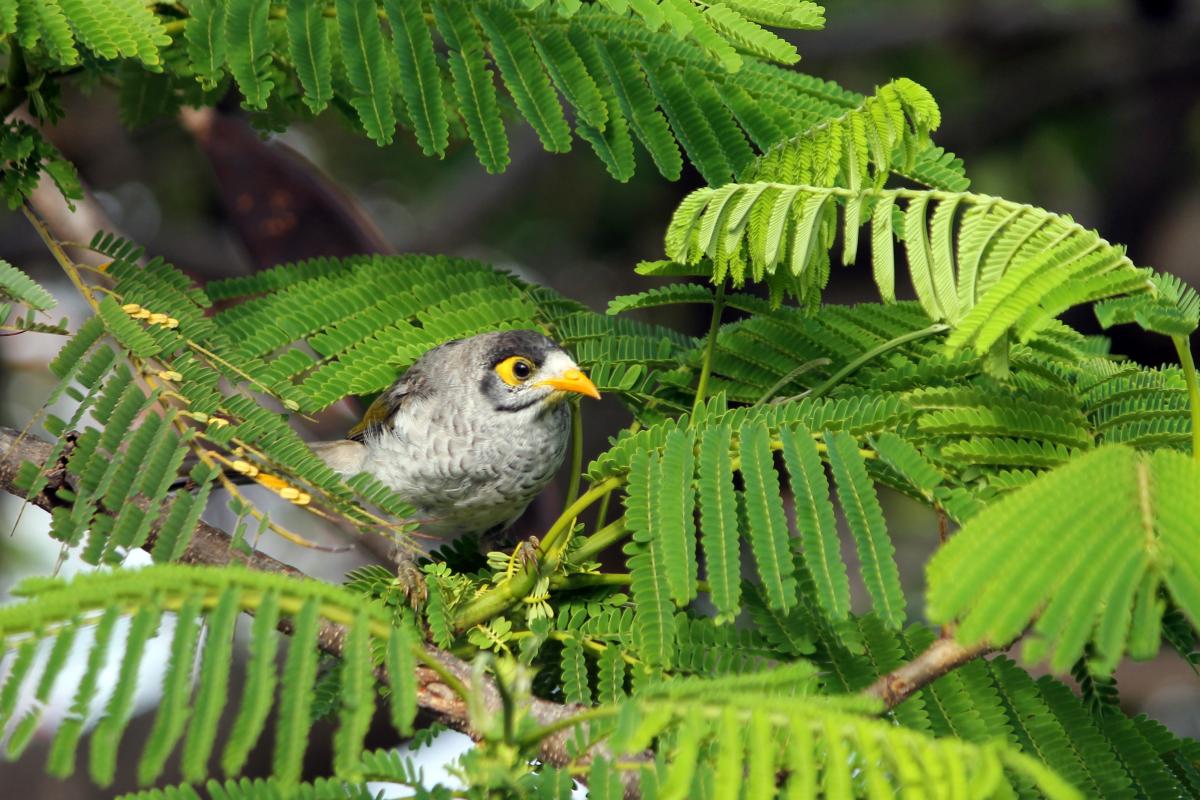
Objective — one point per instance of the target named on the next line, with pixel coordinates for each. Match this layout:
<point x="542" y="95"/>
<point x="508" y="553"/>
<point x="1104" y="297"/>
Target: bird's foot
<point x="526" y="552"/>
<point x="409" y="579"/>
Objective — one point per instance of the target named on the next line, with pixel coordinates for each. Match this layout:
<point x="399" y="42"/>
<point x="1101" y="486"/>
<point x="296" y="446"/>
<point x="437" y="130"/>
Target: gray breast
<point x="465" y="472"/>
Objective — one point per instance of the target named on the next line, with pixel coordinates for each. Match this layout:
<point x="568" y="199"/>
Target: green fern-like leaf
<point x="764" y="514"/>
<point x="248" y="49"/>
<point x="420" y="81"/>
<point x="815" y="521"/>
<point x="527" y="82"/>
<point x="18" y="286"/>
<point x="994" y="270"/>
<point x="718" y="521"/>
<point x="1136" y="506"/>
<point x="473" y="85"/>
<point x="308" y="46"/>
<point x="362" y="49"/>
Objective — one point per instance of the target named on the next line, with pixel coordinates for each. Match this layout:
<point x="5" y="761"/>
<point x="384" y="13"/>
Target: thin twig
<point x="942" y="656"/>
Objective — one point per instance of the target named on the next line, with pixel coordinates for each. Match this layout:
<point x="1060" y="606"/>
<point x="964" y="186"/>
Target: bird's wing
<point x="408" y="387"/>
<point x="378" y="414"/>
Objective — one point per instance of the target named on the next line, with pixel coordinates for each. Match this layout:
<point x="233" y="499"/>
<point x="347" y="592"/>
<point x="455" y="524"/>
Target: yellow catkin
<point x="218" y="422"/>
<point x="303" y="499"/>
<point x="170" y="375"/>
<point x="131" y="308"/>
<point x="143" y="313"/>
<point x="289" y="493"/>
<point x="157" y="318"/>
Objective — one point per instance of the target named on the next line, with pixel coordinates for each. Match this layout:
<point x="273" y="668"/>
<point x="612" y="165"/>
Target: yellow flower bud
<point x="245" y="468"/>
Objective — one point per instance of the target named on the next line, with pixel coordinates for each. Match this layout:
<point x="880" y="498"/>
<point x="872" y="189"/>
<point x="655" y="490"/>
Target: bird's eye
<point x="514" y="370"/>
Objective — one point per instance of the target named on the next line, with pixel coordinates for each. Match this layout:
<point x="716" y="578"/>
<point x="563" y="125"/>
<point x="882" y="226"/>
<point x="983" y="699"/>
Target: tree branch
<point x="942" y="656"/>
<point x="211" y="545"/>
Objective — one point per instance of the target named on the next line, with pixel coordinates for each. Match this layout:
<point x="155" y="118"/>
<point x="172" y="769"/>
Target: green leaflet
<point x="61" y="760"/>
<point x="299" y="672"/>
<point x="171" y="717"/>
<point x="649" y="573"/>
<point x="639" y="107"/>
<point x="718" y="521"/>
<point x="576" y="684"/>
<point x="308" y="46"/>
<point x="358" y="699"/>
<point x="362" y="49"/>
<point x="259" y="688"/>
<point x="524" y="77"/>
<point x="674" y="513"/>
<point x="815" y="521"/>
<point x="248" y="49"/>
<point x="420" y="80"/>
<point x="746" y="737"/>
<point x="42" y="22"/>
<point x="204" y="31"/>
<point x="764" y="515"/>
<point x="401" y="667"/>
<point x="102" y="755"/>
<point x="691" y="127"/>
<point x="571" y="76"/>
<point x="214" y="686"/>
<point x="473" y="85"/>
<point x="21" y="288"/>
<point x="864" y="516"/>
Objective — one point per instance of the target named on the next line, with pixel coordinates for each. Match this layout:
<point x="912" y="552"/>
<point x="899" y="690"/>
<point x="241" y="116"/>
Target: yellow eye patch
<point x="515" y="370"/>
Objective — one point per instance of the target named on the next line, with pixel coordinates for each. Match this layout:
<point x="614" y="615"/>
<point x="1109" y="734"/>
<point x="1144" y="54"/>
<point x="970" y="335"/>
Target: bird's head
<point x="524" y="368"/>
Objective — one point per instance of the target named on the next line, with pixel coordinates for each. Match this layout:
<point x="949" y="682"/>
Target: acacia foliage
<point x="729" y="656"/>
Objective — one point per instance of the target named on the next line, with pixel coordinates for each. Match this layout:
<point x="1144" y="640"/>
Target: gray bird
<point x="471" y="433"/>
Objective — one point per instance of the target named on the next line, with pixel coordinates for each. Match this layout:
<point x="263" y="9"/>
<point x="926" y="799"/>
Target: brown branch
<point x="942" y="656"/>
<point x="211" y="546"/>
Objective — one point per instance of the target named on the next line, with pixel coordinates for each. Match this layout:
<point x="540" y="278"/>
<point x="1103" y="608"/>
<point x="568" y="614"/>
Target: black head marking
<point x="530" y="344"/>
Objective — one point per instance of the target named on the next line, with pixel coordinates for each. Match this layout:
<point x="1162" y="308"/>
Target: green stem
<point x="874" y="352"/>
<point x="602" y="512"/>
<point x="710" y="348"/>
<point x="537" y="735"/>
<point x="599" y="541"/>
<point x="791" y="376"/>
<point x="515" y="589"/>
<point x="1183" y="346"/>
<point x="566" y="520"/>
<point x="448" y="677"/>
<point x="569" y="583"/>
<point x="576" y="453"/>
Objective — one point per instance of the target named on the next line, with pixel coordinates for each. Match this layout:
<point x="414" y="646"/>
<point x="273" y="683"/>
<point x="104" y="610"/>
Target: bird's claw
<point x="410" y="581"/>
<point x="526" y="553"/>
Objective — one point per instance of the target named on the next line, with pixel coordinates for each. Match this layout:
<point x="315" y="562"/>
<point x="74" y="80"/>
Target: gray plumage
<point x="471" y="433"/>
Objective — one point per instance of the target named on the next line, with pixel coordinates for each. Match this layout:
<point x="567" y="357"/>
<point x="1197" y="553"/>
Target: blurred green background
<point x="1086" y="107"/>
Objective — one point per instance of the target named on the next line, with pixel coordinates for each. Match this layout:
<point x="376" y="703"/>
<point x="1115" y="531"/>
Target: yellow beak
<point x="573" y="380"/>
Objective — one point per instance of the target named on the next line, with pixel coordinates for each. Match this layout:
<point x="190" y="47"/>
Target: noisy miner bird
<point x="471" y="433"/>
